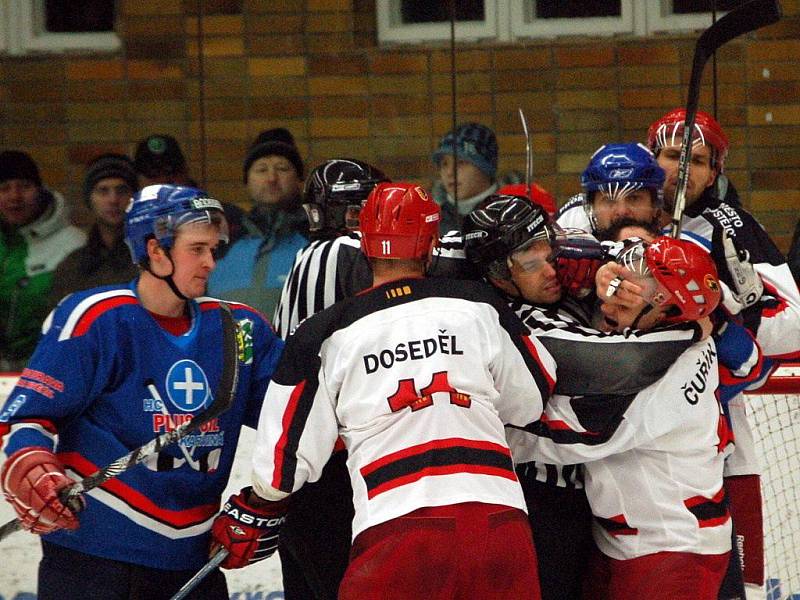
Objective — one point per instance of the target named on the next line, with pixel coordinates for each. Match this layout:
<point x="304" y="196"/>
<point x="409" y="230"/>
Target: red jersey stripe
<point x="91" y="315"/>
<point x="286" y="423"/>
<point x="178" y="519"/>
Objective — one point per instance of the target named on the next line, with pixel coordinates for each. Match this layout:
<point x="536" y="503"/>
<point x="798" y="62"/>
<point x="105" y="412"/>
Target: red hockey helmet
<point x="668" y="131"/>
<point x="538" y="194"/>
<point x="399" y="220"/>
<point x="685" y="276"/>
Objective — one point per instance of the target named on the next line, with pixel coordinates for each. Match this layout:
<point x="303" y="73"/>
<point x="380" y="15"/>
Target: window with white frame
<point x="429" y="20"/>
<point x="414" y="21"/>
<point x="671" y="15"/>
<point x="550" y="18"/>
<point x="28" y="26"/>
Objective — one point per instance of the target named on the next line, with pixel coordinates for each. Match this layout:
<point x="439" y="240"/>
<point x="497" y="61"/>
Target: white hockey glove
<point x="747" y="284"/>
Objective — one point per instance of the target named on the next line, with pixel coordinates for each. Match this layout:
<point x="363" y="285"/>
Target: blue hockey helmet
<point x="619" y="169"/>
<point x="158" y="211"/>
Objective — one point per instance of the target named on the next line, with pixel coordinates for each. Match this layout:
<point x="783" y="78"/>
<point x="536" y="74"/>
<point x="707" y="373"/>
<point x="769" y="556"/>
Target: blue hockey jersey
<point x="105" y="379"/>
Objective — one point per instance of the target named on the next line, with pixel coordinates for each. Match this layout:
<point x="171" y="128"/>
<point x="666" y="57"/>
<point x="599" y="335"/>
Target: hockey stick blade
<point x="748" y="17"/>
<point x="212" y="564"/>
<point x="221" y="402"/>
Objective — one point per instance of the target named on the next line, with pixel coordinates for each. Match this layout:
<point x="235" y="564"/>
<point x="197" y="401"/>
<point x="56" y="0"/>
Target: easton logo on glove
<point x="250" y="519"/>
<point x="248" y="528"/>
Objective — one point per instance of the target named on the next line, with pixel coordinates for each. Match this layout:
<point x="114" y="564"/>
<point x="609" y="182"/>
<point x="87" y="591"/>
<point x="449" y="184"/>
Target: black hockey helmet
<point x="501" y="225"/>
<point x="335" y="191"/>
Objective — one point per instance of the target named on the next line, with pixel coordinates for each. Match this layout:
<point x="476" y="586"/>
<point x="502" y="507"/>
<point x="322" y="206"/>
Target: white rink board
<point x="20" y="552"/>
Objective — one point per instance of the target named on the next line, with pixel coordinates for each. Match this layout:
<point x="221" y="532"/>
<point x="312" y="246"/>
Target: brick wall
<point x="314" y="66"/>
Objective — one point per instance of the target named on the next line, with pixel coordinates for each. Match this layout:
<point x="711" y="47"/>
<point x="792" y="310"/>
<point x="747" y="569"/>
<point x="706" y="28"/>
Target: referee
<point x="332" y="266"/>
<point x="314" y="544"/>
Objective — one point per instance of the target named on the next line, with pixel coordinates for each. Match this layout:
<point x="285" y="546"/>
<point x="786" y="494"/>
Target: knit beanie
<point x="278" y="142"/>
<point x="473" y="142"/>
<point x="18" y="165"/>
<point x="159" y="154"/>
<point x="109" y="165"/>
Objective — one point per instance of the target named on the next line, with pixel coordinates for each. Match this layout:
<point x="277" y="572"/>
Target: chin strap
<point x="504" y="294"/>
<point x="516" y="287"/>
<point x="647" y="308"/>
<point x="167" y="278"/>
<point x="174" y="287"/>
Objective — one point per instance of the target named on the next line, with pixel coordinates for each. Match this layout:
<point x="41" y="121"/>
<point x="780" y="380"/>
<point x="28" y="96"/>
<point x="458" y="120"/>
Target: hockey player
<point x="520" y="252"/>
<point x="417" y="376"/>
<point x="621" y="181"/>
<point x="654" y="479"/>
<point x="117" y="366"/>
<point x="765" y="296"/>
<point x="769" y="303"/>
<point x="331" y="268"/>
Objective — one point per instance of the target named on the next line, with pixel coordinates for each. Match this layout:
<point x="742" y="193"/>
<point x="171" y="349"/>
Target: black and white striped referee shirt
<point x="327" y="271"/>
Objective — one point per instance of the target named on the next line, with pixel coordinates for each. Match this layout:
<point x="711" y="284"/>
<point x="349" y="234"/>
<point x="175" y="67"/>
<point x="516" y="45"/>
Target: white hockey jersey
<point x="418" y="377"/>
<point x="654" y="482"/>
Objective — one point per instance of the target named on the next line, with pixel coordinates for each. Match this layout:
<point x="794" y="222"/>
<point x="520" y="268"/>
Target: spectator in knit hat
<point x="109" y="184"/>
<point x="159" y="159"/>
<point x="273" y="174"/>
<point x="255" y="267"/>
<point x="35" y="235"/>
<point x="467" y="178"/>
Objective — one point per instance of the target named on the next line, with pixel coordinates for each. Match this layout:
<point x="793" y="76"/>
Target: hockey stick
<point x="221" y="402"/>
<point x="187" y="454"/>
<point x="528" y="154"/>
<point x="748" y="17"/>
<point x="453" y="100"/>
<point x="212" y="564"/>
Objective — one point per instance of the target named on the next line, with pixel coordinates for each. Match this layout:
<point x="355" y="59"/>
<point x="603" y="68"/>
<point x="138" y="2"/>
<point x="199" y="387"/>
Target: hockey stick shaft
<point x="222" y="401"/>
<point x="212" y="564"/>
<point x="528" y="153"/>
<point x="748" y="17"/>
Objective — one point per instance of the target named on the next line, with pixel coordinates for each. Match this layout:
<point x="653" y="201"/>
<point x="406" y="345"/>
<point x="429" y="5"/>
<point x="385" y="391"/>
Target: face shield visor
<point x="203" y="212"/>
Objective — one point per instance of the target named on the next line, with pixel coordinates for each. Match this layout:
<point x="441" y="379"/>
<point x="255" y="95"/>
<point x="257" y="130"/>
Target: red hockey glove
<point x="578" y="256"/>
<point x="248" y="532"/>
<point x="31" y="479"/>
<point x="576" y="276"/>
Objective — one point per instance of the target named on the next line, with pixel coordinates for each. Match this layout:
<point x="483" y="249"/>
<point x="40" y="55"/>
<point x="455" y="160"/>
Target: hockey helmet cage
<point x="683" y="277"/>
<point x="668" y="131"/>
<point x="335" y="191"/>
<point x="501" y="225"/>
<point x="158" y="211"/>
<point x="618" y="169"/>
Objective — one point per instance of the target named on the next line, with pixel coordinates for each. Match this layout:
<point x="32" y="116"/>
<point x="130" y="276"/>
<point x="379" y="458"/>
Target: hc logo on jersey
<point x="187" y="386"/>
